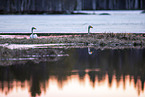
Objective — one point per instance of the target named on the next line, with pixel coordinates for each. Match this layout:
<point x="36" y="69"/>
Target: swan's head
<point x="90" y="27"/>
<point x="33" y="28"/>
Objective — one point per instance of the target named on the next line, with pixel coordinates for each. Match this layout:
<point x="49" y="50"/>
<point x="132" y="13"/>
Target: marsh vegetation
<point x="102" y="39"/>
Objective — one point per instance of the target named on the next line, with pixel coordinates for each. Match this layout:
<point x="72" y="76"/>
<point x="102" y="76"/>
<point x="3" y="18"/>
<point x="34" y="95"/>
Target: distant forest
<point x="66" y="6"/>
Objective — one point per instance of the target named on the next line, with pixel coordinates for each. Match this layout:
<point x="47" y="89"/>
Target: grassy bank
<point x="102" y="39"/>
<point x="22" y="56"/>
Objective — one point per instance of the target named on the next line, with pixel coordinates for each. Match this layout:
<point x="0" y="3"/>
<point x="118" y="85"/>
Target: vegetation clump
<point x="95" y="39"/>
<point x="104" y="14"/>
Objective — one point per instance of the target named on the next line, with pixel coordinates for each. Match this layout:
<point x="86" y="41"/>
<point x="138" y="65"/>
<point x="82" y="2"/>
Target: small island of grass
<point x="95" y="39"/>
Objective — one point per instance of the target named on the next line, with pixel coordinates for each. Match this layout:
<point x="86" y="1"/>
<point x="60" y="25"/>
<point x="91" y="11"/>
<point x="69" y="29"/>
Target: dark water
<point x="93" y="73"/>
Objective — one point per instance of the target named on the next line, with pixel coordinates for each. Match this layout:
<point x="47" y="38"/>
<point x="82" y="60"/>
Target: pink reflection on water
<point x="74" y="86"/>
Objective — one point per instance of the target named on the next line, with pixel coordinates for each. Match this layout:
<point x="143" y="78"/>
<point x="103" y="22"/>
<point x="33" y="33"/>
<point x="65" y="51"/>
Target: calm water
<point x="117" y="21"/>
<point x="104" y="73"/>
<point x="73" y="72"/>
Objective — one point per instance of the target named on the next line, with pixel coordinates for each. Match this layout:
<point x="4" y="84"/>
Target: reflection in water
<point x="107" y="73"/>
<point x="21" y="56"/>
<point x="89" y="51"/>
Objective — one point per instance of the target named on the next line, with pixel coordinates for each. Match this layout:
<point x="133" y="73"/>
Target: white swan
<point x="89" y="29"/>
<point x="33" y="35"/>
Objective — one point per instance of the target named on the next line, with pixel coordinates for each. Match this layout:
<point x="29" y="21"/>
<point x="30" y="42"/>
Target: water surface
<point x="117" y="21"/>
<point x="73" y="72"/>
<point x="104" y="73"/>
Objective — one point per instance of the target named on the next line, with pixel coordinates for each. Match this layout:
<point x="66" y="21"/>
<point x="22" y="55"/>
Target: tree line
<point x="67" y="6"/>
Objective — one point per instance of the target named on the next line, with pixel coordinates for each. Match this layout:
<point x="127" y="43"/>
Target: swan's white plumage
<point x="33" y="36"/>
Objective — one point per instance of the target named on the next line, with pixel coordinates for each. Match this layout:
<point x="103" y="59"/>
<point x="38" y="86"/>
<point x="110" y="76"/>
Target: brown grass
<point x="96" y="39"/>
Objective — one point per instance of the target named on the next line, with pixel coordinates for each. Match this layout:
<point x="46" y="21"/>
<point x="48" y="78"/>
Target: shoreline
<point x="97" y="39"/>
<point x="77" y="12"/>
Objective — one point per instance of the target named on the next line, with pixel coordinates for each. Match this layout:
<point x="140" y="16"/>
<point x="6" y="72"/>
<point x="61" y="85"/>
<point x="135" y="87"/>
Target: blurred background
<point x="66" y="6"/>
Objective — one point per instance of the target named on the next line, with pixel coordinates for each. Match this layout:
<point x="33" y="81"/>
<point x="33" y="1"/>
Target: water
<point x="117" y="21"/>
<point x="104" y="73"/>
<point x="72" y="71"/>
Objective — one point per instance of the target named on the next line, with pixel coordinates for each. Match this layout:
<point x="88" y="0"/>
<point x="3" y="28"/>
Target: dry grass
<point x="96" y="39"/>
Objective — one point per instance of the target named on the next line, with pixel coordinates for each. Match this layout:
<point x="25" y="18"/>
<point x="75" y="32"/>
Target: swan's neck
<point x="89" y="51"/>
<point x="88" y="30"/>
<point x="32" y="31"/>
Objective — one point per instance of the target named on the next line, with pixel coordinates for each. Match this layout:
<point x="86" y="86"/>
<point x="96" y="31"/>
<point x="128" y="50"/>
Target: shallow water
<point x="117" y="21"/>
<point x="103" y="73"/>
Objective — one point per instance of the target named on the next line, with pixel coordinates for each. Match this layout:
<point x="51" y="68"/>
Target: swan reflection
<point x="89" y="51"/>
